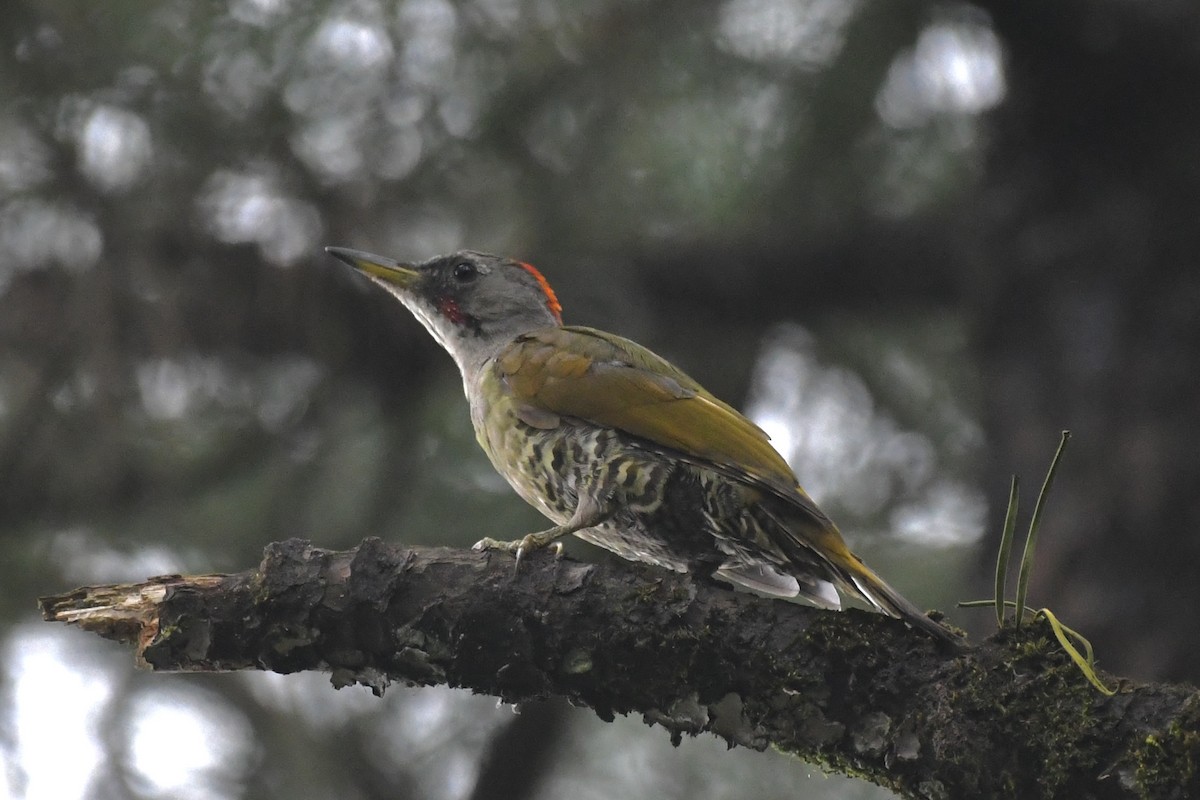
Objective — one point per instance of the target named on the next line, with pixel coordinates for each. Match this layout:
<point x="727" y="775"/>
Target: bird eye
<point x="465" y="271"/>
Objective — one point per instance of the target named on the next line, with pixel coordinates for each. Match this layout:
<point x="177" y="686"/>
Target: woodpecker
<point x="618" y="446"/>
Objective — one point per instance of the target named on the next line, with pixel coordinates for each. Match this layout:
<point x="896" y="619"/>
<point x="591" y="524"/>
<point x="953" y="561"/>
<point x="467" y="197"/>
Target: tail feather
<point x="767" y="579"/>
<point x="878" y="593"/>
<point x="815" y="548"/>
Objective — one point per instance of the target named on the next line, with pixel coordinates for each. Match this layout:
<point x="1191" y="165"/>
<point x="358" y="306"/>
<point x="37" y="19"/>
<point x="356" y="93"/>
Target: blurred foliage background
<point x="914" y="240"/>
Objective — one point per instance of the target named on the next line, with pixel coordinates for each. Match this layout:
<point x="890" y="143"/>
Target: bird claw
<point x="523" y="546"/>
<point x="528" y="545"/>
<point x="488" y="543"/>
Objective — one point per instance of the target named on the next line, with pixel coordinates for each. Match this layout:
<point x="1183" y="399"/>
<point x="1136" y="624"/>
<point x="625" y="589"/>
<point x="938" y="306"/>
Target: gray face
<point x="473" y="303"/>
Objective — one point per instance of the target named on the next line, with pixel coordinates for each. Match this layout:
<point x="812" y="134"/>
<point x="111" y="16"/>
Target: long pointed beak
<point x="385" y="269"/>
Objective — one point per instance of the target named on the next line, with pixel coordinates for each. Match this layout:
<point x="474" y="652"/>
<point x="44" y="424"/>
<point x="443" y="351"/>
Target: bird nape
<point x="618" y="446"/>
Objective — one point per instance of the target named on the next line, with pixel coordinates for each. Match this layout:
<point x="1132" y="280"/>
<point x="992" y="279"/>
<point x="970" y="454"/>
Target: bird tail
<point x="814" y="544"/>
<point x="876" y="591"/>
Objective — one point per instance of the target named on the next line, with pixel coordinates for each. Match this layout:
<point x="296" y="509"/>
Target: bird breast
<point x="549" y="459"/>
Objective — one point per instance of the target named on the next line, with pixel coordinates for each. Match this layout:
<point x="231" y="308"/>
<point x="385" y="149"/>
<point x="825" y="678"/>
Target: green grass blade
<point x="1034" y="524"/>
<point x="1087" y="646"/>
<point x="1006" y="540"/>
<point x="1085" y="665"/>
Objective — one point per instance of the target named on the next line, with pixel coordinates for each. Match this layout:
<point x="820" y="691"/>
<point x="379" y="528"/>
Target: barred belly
<point x="664" y="511"/>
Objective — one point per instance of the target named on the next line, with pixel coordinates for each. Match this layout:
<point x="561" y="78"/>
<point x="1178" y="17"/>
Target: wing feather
<point x="610" y="381"/>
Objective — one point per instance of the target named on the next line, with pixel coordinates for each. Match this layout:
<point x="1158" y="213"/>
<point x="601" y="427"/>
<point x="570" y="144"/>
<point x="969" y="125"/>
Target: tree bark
<point x="857" y="693"/>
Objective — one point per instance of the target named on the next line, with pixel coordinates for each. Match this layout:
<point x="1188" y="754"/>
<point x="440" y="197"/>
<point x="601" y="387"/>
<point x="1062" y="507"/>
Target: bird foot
<point x="524" y="545"/>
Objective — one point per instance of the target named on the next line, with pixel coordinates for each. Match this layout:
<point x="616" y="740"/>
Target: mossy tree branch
<point x="856" y="692"/>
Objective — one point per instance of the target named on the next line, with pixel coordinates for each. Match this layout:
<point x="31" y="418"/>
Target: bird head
<point x="472" y="303"/>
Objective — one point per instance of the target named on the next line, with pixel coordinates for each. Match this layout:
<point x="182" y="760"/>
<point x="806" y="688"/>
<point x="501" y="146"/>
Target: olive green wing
<point x="610" y="381"/>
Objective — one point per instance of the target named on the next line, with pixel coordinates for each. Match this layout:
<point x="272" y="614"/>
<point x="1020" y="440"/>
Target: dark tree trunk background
<point x="1087" y="296"/>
